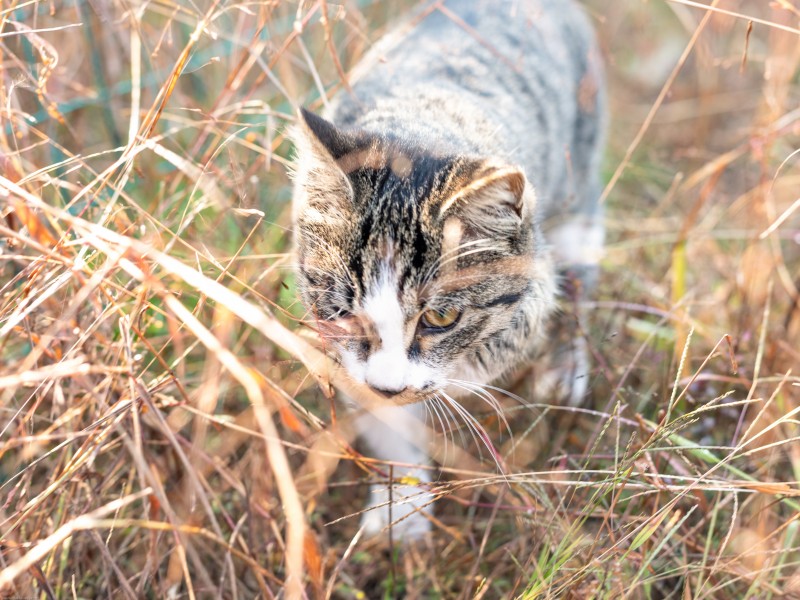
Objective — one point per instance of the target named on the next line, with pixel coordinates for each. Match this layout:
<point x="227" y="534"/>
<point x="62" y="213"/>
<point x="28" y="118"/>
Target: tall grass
<point x="167" y="421"/>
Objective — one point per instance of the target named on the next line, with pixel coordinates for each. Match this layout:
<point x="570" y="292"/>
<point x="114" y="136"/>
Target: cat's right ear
<point x="329" y="139"/>
<point x="323" y="191"/>
<point x="490" y="196"/>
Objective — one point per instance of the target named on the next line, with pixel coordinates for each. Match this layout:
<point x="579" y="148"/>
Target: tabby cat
<point x="436" y="204"/>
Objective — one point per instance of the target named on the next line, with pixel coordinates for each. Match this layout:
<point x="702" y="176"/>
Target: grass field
<point x="166" y="422"/>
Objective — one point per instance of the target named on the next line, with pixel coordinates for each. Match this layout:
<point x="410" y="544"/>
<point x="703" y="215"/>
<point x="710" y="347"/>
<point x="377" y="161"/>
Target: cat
<point x="434" y="209"/>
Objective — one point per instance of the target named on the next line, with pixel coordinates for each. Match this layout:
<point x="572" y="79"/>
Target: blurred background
<point x="144" y="172"/>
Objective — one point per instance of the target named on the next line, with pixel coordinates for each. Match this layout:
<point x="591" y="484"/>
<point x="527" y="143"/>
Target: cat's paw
<point x="564" y="377"/>
<point x="406" y="517"/>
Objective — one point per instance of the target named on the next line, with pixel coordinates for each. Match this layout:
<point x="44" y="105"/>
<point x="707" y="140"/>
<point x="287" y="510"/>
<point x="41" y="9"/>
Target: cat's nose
<point x="386" y="390"/>
<point x="386" y="371"/>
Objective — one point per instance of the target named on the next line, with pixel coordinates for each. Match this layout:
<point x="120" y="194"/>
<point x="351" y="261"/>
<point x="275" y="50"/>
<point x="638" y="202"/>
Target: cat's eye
<point x="440" y="319"/>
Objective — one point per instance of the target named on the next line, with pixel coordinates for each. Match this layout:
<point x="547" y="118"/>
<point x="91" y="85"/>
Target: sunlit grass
<point x="167" y="416"/>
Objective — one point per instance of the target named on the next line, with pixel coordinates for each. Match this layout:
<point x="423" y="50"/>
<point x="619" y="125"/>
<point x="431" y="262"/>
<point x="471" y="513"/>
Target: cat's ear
<point x="491" y="197"/>
<point x="322" y="189"/>
<point x="326" y="137"/>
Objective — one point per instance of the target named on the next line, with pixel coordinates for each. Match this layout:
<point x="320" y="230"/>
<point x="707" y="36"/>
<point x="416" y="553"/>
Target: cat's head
<point x="416" y="267"/>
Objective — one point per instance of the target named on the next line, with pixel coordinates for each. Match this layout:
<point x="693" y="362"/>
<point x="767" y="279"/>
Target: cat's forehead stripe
<point x="376" y="158"/>
<point x="458" y="279"/>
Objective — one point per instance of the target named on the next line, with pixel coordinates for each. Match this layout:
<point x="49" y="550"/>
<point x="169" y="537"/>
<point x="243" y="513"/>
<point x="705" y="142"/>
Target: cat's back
<point x="456" y="37"/>
<point x="514" y="78"/>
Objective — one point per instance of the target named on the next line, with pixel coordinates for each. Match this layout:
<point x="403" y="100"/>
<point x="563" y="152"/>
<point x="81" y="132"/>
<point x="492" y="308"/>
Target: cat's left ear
<point x="492" y="197"/>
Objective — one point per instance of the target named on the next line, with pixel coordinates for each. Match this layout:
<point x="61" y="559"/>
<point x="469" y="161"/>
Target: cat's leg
<point x="577" y="246"/>
<point x="562" y="365"/>
<point x="397" y="435"/>
<point x="576" y="242"/>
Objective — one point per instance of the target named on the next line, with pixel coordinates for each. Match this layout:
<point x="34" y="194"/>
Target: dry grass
<point x="165" y="409"/>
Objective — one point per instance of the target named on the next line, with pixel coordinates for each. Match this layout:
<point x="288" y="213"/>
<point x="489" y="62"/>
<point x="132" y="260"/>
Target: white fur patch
<point x="466" y="371"/>
<point x="356" y="368"/>
<point x="388" y="368"/>
<point x="578" y="241"/>
<point x="398" y="435"/>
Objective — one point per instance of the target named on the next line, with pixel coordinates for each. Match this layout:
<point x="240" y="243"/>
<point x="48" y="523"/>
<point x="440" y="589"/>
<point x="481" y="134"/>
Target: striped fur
<point x="473" y="134"/>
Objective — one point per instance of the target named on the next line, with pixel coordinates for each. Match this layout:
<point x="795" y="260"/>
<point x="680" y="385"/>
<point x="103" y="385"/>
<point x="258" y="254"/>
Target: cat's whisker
<point x="340" y="338"/>
<point x="327" y="291"/>
<point x="430" y="411"/>
<point x="332" y="293"/>
<point x="311" y="268"/>
<point x="469" y="422"/>
<point x="430" y="405"/>
<point x="449" y="254"/>
<point x="479" y="389"/>
<point x="332" y="252"/>
<point x="494" y="388"/>
<point x="434" y="289"/>
<point x="332" y="330"/>
<point x="487" y="398"/>
<point x="436" y="268"/>
<point x="444" y="255"/>
<point x="507" y="394"/>
<point x="451" y="422"/>
<point x="477" y="431"/>
<point x="464" y="245"/>
<point x="469" y="253"/>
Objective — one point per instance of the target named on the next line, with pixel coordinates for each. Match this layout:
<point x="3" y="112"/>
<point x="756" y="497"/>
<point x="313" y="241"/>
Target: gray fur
<point x="523" y="83"/>
<point x="473" y="136"/>
<point x="515" y="83"/>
